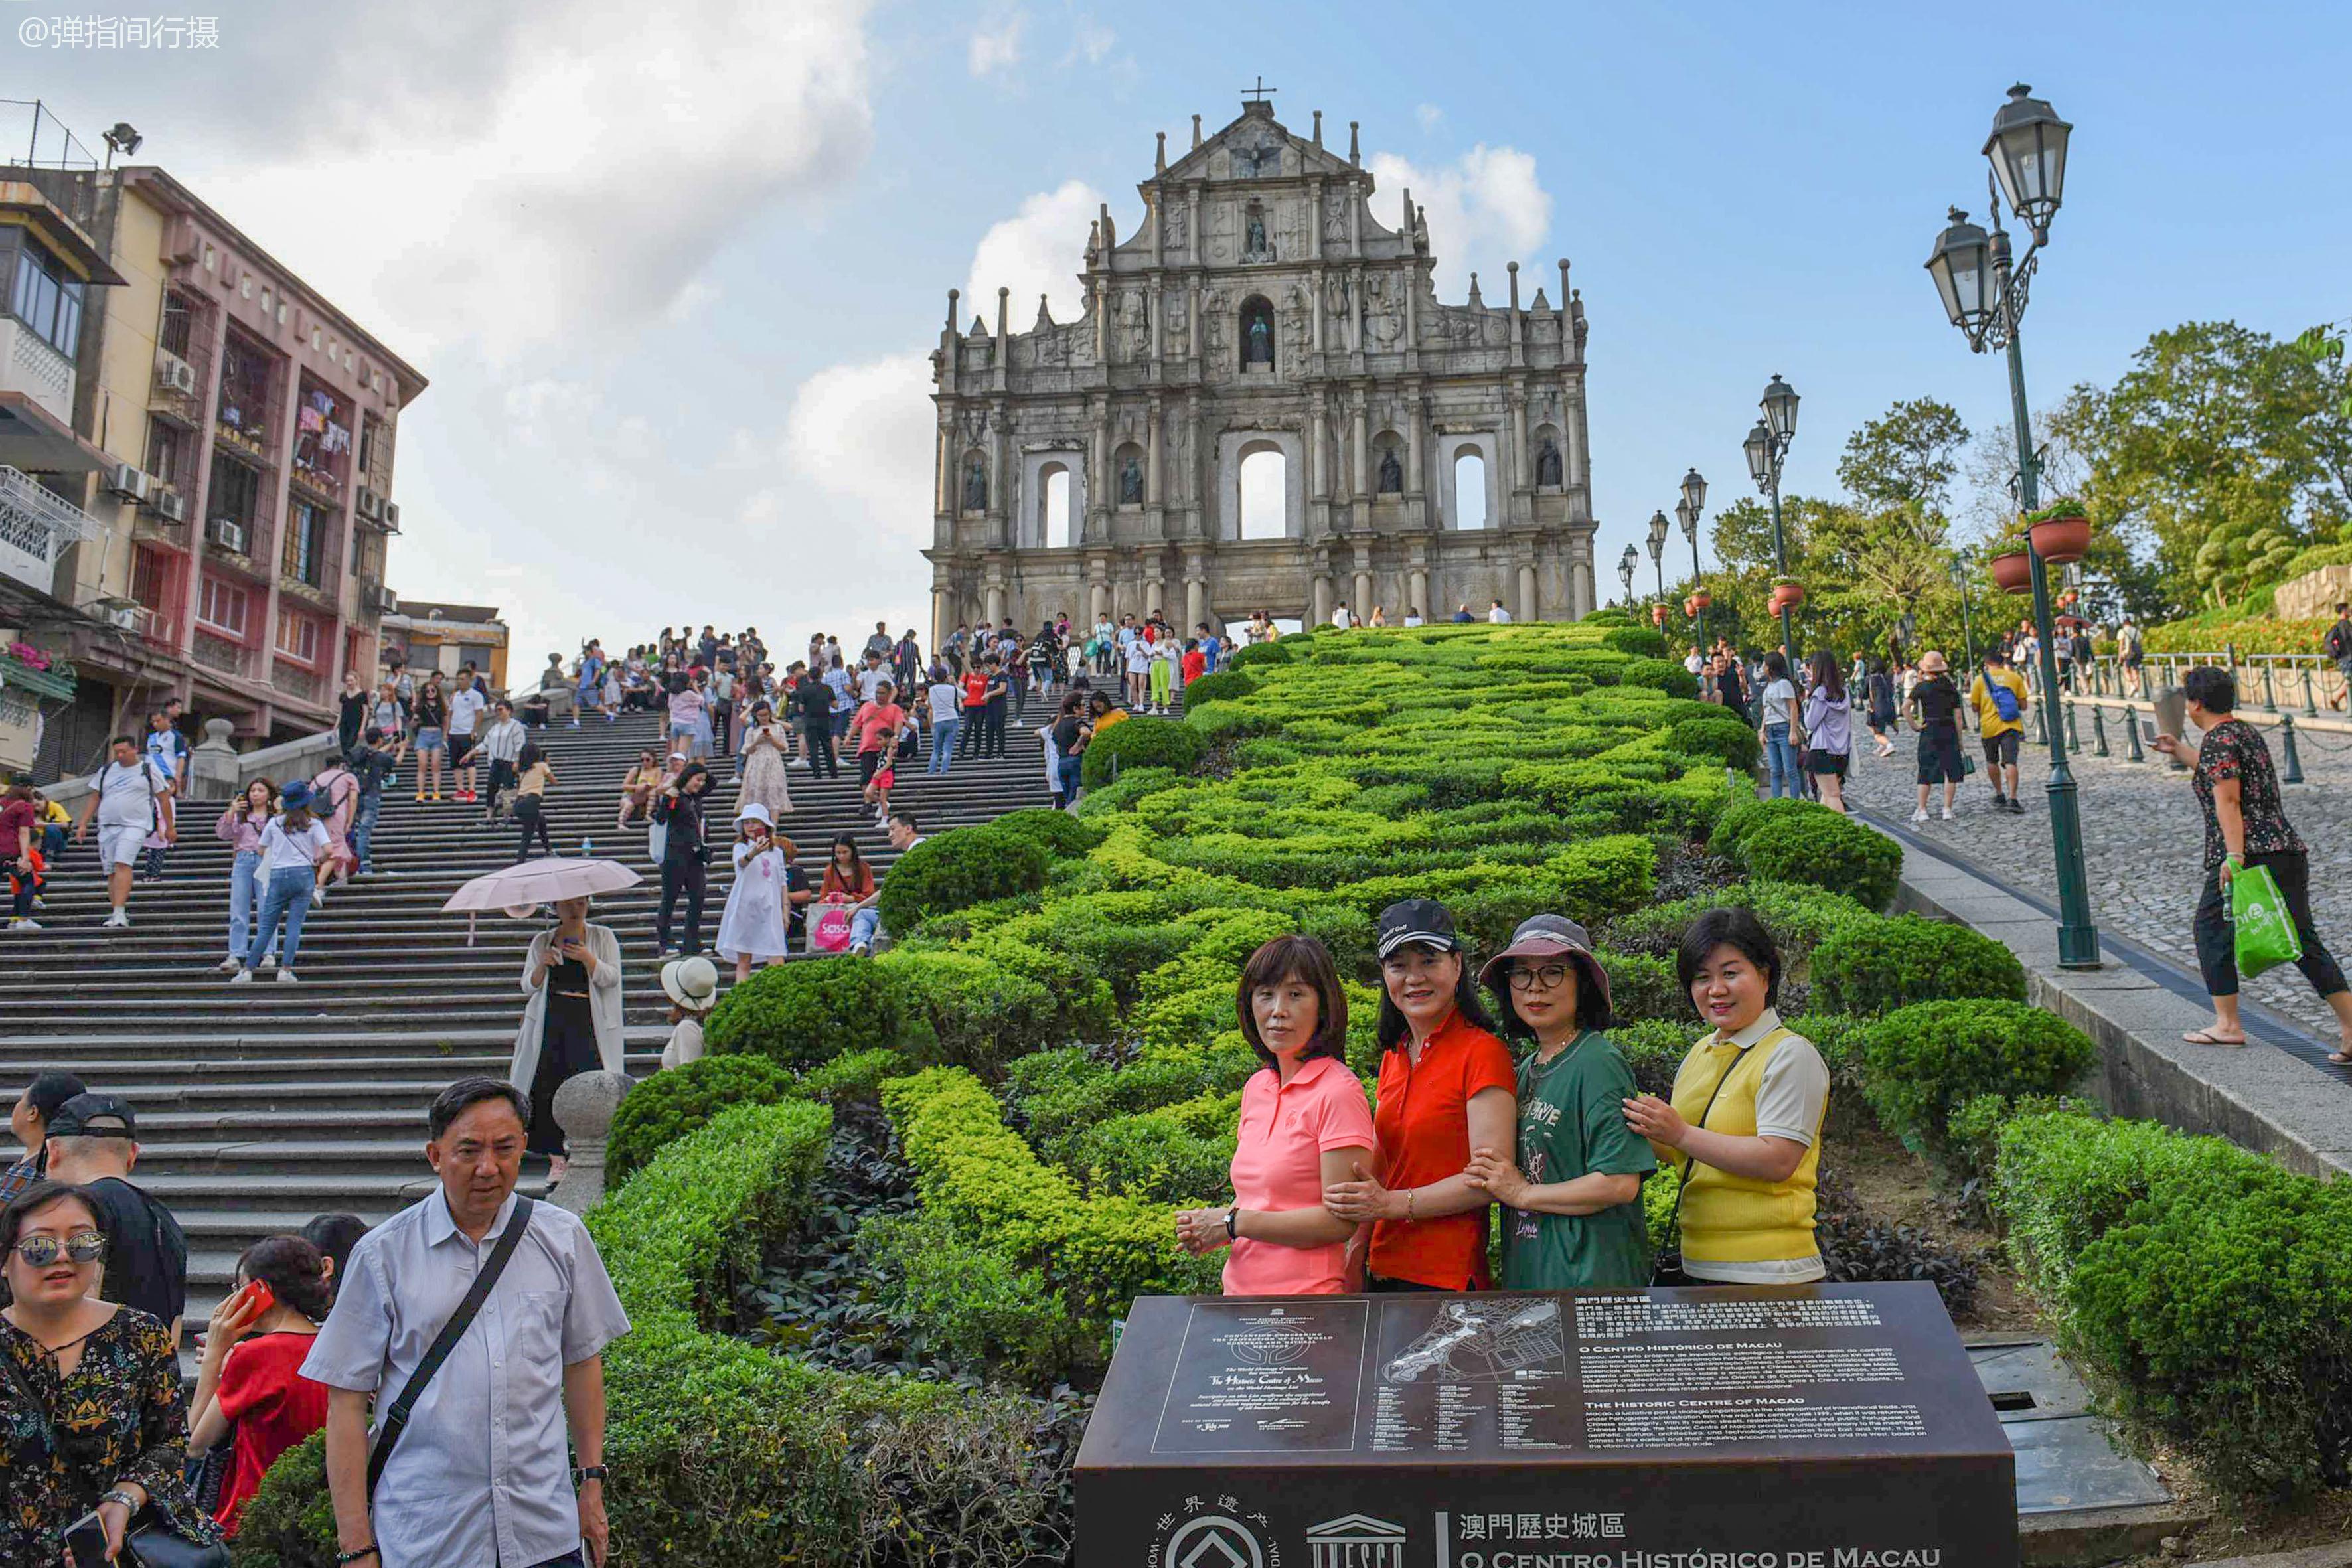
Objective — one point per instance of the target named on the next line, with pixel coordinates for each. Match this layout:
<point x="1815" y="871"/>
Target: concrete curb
<point x="2258" y="1096"/>
<point x="2337" y="1554"/>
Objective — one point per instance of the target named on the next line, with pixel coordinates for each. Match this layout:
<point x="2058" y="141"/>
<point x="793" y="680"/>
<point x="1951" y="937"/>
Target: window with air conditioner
<point x="234" y="498"/>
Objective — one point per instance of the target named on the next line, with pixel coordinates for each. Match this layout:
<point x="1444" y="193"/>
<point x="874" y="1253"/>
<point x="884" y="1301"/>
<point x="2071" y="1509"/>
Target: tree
<point x="1907" y="455"/>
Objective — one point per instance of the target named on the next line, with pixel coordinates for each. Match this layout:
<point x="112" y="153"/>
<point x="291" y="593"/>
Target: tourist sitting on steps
<point x="1446" y="1086"/>
<point x="1573" y="1191"/>
<point x="1745" y="1124"/>
<point x="1303" y="1128"/>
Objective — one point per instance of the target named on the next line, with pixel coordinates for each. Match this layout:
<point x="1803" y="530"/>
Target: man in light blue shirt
<point x="480" y="1478"/>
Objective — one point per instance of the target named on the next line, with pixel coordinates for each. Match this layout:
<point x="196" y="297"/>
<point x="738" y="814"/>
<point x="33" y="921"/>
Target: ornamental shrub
<point x="1869" y="966"/>
<point x="968" y="1307"/>
<point x="964" y="865"/>
<point x="1641" y="642"/>
<point x="677" y="1101"/>
<point x="1742" y="818"/>
<point x="1661" y="675"/>
<point x="1718" y="733"/>
<point x="1799" y="916"/>
<point x="2224" y="1323"/>
<point x="976" y="1013"/>
<point x="1061" y="834"/>
<point x="1218" y="686"/>
<point x="1141" y="742"/>
<point x="854" y="1077"/>
<point x="1923" y="1062"/>
<point x="1642" y="987"/>
<point x="1257" y="656"/>
<point x="1829" y="850"/>
<point x="1654" y="1047"/>
<point x="810" y="1011"/>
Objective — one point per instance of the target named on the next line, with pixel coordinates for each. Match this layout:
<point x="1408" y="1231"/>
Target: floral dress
<point x="764" y="779"/>
<point x="120" y="1417"/>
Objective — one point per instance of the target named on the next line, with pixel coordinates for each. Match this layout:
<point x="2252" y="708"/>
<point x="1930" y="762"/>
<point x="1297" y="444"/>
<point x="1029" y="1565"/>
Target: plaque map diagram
<point x="1481" y="1341"/>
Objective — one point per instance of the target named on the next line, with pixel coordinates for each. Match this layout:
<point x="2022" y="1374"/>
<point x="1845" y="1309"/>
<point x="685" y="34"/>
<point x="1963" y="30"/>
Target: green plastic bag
<point x="2266" y="936"/>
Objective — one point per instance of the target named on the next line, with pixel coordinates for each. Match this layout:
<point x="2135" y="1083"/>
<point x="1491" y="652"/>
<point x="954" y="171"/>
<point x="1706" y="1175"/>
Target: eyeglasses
<point x="82" y="1246"/>
<point x="1542" y="977"/>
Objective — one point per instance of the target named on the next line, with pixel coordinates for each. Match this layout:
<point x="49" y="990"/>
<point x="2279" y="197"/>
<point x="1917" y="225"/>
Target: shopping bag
<point x="2266" y="936"/>
<point x="829" y="927"/>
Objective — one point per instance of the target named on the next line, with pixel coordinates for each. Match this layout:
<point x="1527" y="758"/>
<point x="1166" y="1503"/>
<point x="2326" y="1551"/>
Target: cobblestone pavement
<point x="2144" y="838"/>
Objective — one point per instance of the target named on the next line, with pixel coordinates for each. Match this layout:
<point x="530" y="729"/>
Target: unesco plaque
<point x="1732" y="1426"/>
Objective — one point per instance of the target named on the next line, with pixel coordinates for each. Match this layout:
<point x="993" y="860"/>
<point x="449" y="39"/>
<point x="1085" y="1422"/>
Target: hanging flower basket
<point x="1787" y="594"/>
<point x="2061" y="532"/>
<point x="2012" y="573"/>
<point x="1701" y="599"/>
<point x="1657" y="615"/>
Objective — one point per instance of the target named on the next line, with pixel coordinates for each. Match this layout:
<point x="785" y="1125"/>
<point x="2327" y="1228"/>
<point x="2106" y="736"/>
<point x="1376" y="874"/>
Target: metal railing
<point x="41" y="129"/>
<point x="2305" y="683"/>
<point x="35" y="524"/>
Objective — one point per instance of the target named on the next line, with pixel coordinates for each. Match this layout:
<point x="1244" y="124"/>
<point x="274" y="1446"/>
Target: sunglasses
<point x="82" y="1246"/>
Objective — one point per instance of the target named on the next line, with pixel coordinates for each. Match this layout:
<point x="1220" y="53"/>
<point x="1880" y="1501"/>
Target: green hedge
<point x="1220" y="685"/>
<point x="964" y="865"/>
<point x="1923" y="1063"/>
<point x="1642" y="642"/>
<point x="1744" y="816"/>
<point x="1869" y="966"/>
<point x="1662" y="675"/>
<point x="661" y="1109"/>
<point x="1060" y="834"/>
<point x="807" y="1011"/>
<point x="1829" y="850"/>
<point x="1140" y="742"/>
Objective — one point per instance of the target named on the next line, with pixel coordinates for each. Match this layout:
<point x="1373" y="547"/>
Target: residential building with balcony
<point x="448" y="637"/>
<point x="241" y="498"/>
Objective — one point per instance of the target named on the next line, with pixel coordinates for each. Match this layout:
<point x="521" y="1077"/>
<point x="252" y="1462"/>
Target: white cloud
<point x="1089" y="41"/>
<point x="1429" y="114"/>
<point x="995" y="44"/>
<point x="1486" y="208"/>
<point x="864" y="433"/>
<point x="1038" y="250"/>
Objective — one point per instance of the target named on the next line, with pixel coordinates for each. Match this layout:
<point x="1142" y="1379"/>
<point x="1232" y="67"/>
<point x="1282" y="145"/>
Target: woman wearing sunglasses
<point x="111" y="1371"/>
<point x="1574" y="1214"/>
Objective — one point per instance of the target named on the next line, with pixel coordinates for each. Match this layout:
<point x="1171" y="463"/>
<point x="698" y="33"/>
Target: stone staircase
<point x="262" y="1105"/>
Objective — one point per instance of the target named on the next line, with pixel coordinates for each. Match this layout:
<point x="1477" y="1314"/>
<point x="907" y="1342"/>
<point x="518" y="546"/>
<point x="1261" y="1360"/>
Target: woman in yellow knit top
<point x="1745" y="1124"/>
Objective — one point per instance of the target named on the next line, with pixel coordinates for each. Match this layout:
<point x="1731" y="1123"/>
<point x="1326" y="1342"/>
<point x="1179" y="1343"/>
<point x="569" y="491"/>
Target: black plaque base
<point x="1737" y="1427"/>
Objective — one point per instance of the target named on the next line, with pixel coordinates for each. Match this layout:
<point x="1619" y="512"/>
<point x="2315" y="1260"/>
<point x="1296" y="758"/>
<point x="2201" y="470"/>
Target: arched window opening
<point x="1056" y="504"/>
<point x="1469" y="490"/>
<point x="1264" y="481"/>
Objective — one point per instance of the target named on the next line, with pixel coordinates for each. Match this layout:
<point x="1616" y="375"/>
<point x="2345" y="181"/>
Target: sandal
<point x="2209" y="1035"/>
<point x="2339" y="1058"/>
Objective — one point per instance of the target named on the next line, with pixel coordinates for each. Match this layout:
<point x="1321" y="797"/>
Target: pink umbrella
<point x="520" y="890"/>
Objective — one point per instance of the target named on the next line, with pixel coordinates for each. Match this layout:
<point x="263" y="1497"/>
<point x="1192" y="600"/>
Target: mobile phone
<point x="2147" y="732"/>
<point x="257" y="1295"/>
<point x="86" y="1541"/>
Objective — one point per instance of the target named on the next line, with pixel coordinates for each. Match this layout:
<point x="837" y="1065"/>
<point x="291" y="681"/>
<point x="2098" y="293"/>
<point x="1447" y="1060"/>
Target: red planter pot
<point x="1787" y="596"/>
<point x="1657" y="615"/>
<point x="1701" y="600"/>
<point x="2062" y="538"/>
<point x="2013" y="573"/>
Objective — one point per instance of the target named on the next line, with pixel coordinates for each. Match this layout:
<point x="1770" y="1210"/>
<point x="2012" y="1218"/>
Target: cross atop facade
<point x="1259" y="93"/>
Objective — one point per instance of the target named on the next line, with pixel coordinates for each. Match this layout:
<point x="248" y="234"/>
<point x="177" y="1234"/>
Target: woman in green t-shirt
<point x="1572" y="1217"/>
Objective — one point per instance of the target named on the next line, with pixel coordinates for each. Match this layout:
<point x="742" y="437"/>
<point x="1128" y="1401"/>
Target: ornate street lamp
<point x="1985" y="295"/>
<point x="1658" y="530"/>
<point x="1686" y="512"/>
<point x="1768" y="451"/>
<point x="1625" y="566"/>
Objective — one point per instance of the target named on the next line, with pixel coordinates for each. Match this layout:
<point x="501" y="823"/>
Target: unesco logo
<point x="1214" y="1541"/>
<point x="1359" y="1540"/>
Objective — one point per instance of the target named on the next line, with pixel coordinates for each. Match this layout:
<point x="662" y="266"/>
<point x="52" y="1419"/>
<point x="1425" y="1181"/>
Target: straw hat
<point x="1932" y="663"/>
<point x="691" y="982"/>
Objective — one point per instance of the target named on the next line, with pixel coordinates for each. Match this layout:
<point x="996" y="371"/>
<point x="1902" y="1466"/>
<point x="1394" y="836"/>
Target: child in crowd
<point x="530" y="800"/>
<point x="877" y="792"/>
<point x="758" y="901"/>
<point x="692" y="986"/>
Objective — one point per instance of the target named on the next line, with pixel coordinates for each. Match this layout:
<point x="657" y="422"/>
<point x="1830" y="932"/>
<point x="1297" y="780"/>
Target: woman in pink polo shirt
<point x="1304" y="1125"/>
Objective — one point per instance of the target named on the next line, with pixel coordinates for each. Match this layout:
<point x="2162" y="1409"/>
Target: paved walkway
<point x="2142" y="843"/>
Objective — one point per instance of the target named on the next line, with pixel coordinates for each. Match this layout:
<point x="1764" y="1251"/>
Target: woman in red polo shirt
<point x="1447" y="1086"/>
<point x="1304" y="1126"/>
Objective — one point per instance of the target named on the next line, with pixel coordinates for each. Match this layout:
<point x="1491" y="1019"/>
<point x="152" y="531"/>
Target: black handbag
<point x="155" y="1539"/>
<point x="1667" y="1269"/>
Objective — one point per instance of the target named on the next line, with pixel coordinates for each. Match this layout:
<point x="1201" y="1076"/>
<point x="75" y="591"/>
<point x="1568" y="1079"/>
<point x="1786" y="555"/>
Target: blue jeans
<point x="287" y="894"/>
<point x="862" y="926"/>
<point x="943" y="741"/>
<point x="364" y="828"/>
<point x="1781" y="752"/>
<point x="244" y="895"/>
<point x="52" y="841"/>
<point x="1069" y="767"/>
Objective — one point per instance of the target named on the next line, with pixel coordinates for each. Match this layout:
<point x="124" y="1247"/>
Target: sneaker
<point x="230" y="964"/>
<point x="1920" y="814"/>
<point x="436" y="794"/>
<point x="242" y="977"/>
<point x="858" y="950"/>
<point x="24" y="925"/>
<point x="269" y="961"/>
<point x="286" y="977"/>
<point x="1999" y="800"/>
<point x="1948" y="813"/>
<point x="420" y="795"/>
<point x="120" y="918"/>
<point x="2016" y="806"/>
<point x="317" y="897"/>
<point x="666" y="953"/>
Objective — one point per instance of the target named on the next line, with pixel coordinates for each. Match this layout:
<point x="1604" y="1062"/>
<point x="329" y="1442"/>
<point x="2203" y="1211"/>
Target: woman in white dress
<point x="754" y="925"/>
<point x="767" y="751"/>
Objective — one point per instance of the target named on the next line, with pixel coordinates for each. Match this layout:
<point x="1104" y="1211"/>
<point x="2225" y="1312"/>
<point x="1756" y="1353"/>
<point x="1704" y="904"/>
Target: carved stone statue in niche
<point x="975" y="484"/>
<point x="1131" y="480"/>
<point x="1547" y="462"/>
<point x="1255" y="245"/>
<point x="1172" y="228"/>
<point x="1391" y="473"/>
<point x="1257" y="339"/>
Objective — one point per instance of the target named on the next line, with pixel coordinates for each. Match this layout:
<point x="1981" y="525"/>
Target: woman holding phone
<point x="249" y="1384"/>
<point x="110" y="1372"/>
<point x="572" y="1024"/>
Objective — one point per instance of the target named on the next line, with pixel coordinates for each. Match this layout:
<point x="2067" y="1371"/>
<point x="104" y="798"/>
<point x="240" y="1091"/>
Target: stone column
<point x="1100" y="481"/>
<point x="214" y="770"/>
<point x="1000" y="482"/>
<point x="1318" y="482"/>
<point x="1322" y="592"/>
<point x="1527" y="610"/>
<point x="1520" y="478"/>
<point x="1358" y="415"/>
<point x="1152" y="488"/>
<point x="1412" y="442"/>
<point x="1363" y="602"/>
<point x="1416" y="591"/>
<point x="1193" y="310"/>
<point x="1196" y="594"/>
<point x="585" y="1105"/>
<point x="995" y="598"/>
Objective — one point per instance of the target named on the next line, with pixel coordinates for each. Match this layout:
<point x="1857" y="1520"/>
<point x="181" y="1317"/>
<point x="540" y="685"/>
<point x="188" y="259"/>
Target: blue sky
<point x="672" y="272"/>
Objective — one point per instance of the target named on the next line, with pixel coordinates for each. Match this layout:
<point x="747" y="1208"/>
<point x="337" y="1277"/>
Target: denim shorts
<point x="429" y="739"/>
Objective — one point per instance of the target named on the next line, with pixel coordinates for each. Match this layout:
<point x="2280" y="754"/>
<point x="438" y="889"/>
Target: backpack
<point x="2339" y="642"/>
<point x="155" y="813"/>
<point x="2004" y="701"/>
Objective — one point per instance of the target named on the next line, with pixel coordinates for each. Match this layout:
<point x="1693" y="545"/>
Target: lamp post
<point x="1658" y="530"/>
<point x="1985" y="295"/>
<point x="1686" y="512"/>
<point x="1626" y="564"/>
<point x="1768" y="451"/>
<point x="1961" y="582"/>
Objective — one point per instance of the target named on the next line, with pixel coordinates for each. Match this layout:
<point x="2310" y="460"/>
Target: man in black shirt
<point x="93" y="1143"/>
<point x="811" y="703"/>
<point x="992" y="721"/>
<point x="372" y="764"/>
<point x="1936" y="710"/>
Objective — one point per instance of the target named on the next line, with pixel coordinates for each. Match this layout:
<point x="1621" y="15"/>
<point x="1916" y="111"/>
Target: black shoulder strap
<point x="451" y="1333"/>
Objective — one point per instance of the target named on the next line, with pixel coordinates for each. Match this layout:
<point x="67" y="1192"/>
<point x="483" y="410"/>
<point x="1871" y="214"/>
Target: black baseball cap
<point x="1424" y="920"/>
<point x="95" y="1116"/>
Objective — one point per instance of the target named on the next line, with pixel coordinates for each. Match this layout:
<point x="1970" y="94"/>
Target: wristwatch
<point x="590" y="1473"/>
